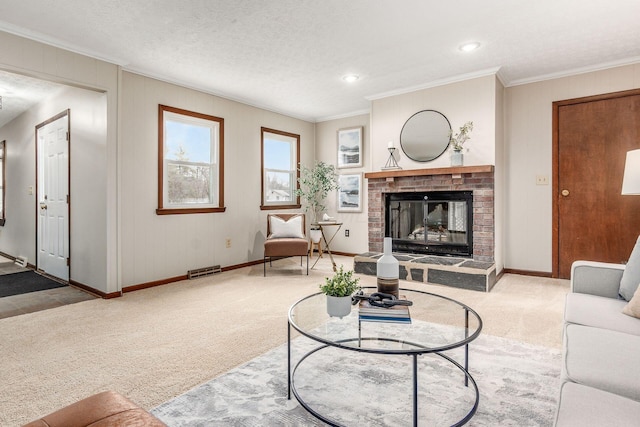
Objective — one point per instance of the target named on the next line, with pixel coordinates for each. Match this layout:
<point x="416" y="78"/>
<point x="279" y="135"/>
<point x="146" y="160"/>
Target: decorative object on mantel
<point x="388" y="270"/>
<point x="457" y="143"/>
<point x="391" y="162"/>
<point x="338" y="290"/>
<point x="425" y="136"/>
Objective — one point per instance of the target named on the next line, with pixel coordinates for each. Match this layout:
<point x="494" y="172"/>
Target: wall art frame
<point x="350" y="192"/>
<point x="349" y="146"/>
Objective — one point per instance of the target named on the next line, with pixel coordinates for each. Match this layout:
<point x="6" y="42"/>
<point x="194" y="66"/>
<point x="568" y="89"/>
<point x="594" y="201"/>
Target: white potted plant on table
<point x="338" y="290"/>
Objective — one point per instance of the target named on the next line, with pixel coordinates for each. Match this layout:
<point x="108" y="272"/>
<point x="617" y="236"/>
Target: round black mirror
<point x="425" y="136"/>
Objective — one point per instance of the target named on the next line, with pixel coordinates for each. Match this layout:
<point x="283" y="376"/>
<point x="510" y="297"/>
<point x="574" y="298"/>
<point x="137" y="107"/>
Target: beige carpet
<point x="155" y="344"/>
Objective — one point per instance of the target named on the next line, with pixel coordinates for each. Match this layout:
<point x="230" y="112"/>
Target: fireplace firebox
<point x="434" y="223"/>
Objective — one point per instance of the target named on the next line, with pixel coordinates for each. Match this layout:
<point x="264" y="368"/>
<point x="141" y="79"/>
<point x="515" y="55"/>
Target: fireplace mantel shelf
<point x="458" y="170"/>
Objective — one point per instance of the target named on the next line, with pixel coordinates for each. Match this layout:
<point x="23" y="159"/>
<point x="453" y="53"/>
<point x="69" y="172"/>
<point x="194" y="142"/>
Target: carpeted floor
<point x="25" y="282"/>
<point x="158" y="343"/>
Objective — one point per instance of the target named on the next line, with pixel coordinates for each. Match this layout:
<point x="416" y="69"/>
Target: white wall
<point x="94" y="216"/>
<point x="460" y="102"/>
<point x="327" y="151"/>
<point x="156" y="247"/>
<point x="528" y="152"/>
<point x="87" y="180"/>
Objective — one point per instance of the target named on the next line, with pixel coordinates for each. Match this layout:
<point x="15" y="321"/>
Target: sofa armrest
<point x="596" y="278"/>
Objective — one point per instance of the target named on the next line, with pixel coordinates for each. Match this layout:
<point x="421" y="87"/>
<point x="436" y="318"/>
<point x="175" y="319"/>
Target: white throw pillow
<point x="633" y="308"/>
<point x="631" y="274"/>
<point x="281" y="228"/>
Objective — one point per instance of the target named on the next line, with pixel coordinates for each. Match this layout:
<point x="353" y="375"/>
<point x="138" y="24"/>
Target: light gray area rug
<point x="518" y="385"/>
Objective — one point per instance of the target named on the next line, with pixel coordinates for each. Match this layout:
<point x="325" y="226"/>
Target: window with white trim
<point x="190" y="162"/>
<point x="280" y="159"/>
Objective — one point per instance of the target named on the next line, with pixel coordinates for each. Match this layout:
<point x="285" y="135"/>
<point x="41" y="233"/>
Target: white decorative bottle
<point x="388" y="270"/>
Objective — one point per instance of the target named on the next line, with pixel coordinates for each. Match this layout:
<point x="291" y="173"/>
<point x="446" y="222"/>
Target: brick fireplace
<point x="477" y="179"/>
<point x="476" y="271"/>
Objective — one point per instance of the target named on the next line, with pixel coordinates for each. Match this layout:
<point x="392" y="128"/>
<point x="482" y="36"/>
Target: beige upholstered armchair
<point x="285" y="238"/>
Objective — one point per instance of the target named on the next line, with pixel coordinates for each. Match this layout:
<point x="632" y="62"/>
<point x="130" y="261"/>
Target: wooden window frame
<point x="295" y="205"/>
<point x="162" y="210"/>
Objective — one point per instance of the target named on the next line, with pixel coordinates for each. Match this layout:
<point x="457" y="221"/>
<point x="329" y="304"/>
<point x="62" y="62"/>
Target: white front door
<point x="53" y="196"/>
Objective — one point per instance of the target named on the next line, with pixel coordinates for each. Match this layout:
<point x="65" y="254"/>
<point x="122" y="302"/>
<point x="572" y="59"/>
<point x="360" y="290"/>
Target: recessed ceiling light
<point x="469" y="47"/>
<point x="350" y="78"/>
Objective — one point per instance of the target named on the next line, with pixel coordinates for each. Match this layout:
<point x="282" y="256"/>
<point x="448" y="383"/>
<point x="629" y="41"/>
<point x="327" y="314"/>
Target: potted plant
<point x="457" y="142"/>
<point x="315" y="185"/>
<point x="338" y="290"/>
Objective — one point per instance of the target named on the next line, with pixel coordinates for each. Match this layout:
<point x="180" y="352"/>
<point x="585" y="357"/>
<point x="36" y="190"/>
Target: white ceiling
<point x="289" y="55"/>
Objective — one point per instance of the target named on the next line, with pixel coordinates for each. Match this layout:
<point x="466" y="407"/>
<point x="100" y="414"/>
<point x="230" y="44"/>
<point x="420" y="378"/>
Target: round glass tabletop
<point x="434" y="323"/>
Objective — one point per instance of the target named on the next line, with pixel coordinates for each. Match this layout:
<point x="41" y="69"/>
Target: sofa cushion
<point x="631" y="275"/>
<point x="581" y="406"/>
<point x="599" y="312"/>
<point x="633" y="308"/>
<point x="281" y="228"/>
<point x="606" y="360"/>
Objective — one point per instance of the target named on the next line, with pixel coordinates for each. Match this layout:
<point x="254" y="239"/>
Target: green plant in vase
<point x="315" y="185"/>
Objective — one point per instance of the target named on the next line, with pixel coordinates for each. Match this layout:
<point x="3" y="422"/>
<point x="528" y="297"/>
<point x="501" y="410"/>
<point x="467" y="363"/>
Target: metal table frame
<point x="321" y="225"/>
<point x="413" y="352"/>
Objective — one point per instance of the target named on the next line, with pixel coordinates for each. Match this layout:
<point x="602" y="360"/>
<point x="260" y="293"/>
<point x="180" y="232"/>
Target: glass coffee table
<point x="361" y="354"/>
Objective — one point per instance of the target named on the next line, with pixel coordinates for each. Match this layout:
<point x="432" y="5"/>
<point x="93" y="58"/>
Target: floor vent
<point x="201" y="272"/>
<point x="21" y="261"/>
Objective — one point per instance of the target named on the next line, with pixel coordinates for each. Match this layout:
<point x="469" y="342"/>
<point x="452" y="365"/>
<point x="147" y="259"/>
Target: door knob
<point x="565" y="193"/>
<point x="43" y="205"/>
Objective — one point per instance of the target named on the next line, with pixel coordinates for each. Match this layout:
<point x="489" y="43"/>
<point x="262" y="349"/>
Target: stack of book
<point x="395" y="314"/>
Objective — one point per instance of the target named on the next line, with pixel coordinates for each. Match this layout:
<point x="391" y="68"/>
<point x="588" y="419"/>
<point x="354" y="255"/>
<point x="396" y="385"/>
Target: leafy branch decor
<point x="458" y="140"/>
<point x="315" y="185"/>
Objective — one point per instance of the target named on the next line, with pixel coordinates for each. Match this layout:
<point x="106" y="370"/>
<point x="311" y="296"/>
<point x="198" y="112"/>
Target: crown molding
<point x="208" y="91"/>
<point x="343" y="116"/>
<point x="436" y="83"/>
<point x="575" y="71"/>
<point x="57" y="43"/>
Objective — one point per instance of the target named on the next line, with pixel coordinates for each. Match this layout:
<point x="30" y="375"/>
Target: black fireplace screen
<point x="439" y="223"/>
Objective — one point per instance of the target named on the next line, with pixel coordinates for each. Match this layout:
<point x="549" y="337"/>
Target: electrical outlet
<point x="228" y="243"/>
<point x="542" y="180"/>
<point x="346" y="233"/>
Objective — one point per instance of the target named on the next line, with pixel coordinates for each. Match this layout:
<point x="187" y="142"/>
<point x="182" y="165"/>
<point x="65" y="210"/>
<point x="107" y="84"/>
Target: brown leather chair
<point x="106" y="409"/>
<point x="286" y="237"/>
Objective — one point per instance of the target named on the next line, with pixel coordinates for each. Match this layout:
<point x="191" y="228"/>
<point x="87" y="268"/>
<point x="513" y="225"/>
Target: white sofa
<point x="601" y="346"/>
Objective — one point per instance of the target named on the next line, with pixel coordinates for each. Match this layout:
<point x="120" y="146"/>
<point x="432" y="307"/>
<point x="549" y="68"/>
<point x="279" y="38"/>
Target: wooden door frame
<point x="555" y="174"/>
<point x="58" y="116"/>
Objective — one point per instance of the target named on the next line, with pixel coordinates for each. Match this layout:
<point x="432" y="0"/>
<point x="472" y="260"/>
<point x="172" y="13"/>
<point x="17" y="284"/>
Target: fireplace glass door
<point x="434" y="223"/>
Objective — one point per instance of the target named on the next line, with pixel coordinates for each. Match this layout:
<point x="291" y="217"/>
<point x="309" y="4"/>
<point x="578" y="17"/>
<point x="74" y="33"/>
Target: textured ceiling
<point x="289" y="55"/>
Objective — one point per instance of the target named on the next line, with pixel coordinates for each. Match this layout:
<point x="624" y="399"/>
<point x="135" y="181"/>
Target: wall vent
<point x="21" y="261"/>
<point x="205" y="271"/>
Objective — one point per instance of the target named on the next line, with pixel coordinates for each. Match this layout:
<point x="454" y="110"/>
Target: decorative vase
<point x="388" y="271"/>
<point x="456" y="158"/>
<point x="338" y="306"/>
<point x="315" y="235"/>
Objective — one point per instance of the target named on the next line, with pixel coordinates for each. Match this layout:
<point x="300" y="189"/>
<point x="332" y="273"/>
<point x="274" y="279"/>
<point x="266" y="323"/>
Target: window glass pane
<point x="278" y="187"/>
<point x="188" y="184"/>
<point x="277" y="154"/>
<point x="188" y="142"/>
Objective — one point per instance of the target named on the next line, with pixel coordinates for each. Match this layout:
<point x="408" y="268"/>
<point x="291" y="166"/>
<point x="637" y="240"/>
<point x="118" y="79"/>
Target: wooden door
<point x="592" y="220"/>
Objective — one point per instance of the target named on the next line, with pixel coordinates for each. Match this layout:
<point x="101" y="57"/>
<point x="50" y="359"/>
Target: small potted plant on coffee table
<point x="338" y="290"/>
